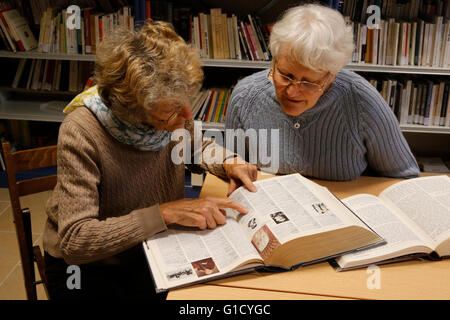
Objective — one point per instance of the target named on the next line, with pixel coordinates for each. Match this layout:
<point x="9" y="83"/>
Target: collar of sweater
<point x="307" y="118"/>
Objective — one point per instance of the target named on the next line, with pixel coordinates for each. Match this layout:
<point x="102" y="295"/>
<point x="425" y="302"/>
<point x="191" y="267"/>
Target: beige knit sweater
<point x="107" y="196"/>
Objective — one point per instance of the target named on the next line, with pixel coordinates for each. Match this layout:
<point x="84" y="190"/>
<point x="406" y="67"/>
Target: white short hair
<point x="317" y="37"/>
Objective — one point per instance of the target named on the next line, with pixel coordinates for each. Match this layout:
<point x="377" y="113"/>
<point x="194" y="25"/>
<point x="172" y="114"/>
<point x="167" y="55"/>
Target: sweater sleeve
<point x="388" y="152"/>
<point x="84" y="236"/>
<point x="211" y="154"/>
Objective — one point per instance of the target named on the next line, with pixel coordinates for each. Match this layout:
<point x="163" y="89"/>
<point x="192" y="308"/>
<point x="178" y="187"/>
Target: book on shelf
<point x="52" y="75"/>
<point x="414" y="100"/>
<point x="56" y="37"/>
<point x="20" y="29"/>
<point x="219" y="36"/>
<point x="406" y="10"/>
<point x="432" y="164"/>
<point x="19" y="72"/>
<point x="210" y="105"/>
<point x="292" y="221"/>
<point x="403" y="43"/>
<point x="413" y="216"/>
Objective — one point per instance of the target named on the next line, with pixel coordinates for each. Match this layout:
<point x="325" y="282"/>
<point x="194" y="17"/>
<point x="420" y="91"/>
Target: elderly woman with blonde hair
<point x="332" y="123"/>
<point x="117" y="184"/>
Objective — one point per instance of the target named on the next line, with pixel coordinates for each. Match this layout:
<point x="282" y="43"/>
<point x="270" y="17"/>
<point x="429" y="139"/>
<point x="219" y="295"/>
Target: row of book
<point x="415" y="101"/>
<point x="56" y="37"/>
<point x="52" y="75"/>
<point x="403" y="43"/>
<point x="33" y="10"/>
<point x="412" y="101"/>
<point x="220" y="36"/>
<point x="210" y="105"/>
<point x="15" y="31"/>
<point x="98" y="22"/>
<point x="398" y="9"/>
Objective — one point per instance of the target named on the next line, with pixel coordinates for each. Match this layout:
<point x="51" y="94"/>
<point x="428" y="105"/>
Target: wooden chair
<point x="23" y="161"/>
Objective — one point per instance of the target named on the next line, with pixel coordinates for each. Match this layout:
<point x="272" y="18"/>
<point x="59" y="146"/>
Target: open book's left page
<point x="185" y="255"/>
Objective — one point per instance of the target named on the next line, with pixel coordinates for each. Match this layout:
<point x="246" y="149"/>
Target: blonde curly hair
<point x="135" y="70"/>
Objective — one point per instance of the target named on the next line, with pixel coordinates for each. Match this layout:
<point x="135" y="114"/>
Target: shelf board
<point x="366" y="67"/>
<point x="28" y="110"/>
<point x="234" y="63"/>
<point x="34" y="54"/>
<point x="424" y="129"/>
<point x="65" y="94"/>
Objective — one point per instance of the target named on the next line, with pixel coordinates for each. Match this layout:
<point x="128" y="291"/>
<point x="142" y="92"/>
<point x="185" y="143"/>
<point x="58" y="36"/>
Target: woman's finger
<point x="246" y="180"/>
<point x="232" y="186"/>
<point x="229" y="203"/>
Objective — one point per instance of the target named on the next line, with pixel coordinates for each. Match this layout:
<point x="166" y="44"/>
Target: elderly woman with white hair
<point x="332" y="123"/>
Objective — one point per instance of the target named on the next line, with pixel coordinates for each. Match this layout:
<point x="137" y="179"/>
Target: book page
<point x="425" y="204"/>
<point x="184" y="255"/>
<point x="399" y="237"/>
<point x="285" y="208"/>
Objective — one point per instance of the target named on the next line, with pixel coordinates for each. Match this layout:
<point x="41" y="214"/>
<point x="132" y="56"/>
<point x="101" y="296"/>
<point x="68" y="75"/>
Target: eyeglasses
<point x="179" y="107"/>
<point x="172" y="116"/>
<point x="306" y="86"/>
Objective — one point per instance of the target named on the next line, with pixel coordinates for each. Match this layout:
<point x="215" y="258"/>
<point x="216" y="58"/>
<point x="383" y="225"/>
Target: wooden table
<point x="407" y="280"/>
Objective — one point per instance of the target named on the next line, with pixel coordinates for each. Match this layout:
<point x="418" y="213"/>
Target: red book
<point x="148" y="11"/>
<point x="251" y="41"/>
<point x="87" y="30"/>
<point x="11" y="33"/>
<point x="100" y="28"/>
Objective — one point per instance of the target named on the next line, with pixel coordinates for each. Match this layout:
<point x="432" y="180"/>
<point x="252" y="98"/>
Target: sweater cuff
<point x="151" y="220"/>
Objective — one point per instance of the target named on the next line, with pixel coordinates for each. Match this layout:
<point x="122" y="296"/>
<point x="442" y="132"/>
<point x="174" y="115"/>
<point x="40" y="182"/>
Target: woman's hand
<point x="240" y="173"/>
<point x="202" y="213"/>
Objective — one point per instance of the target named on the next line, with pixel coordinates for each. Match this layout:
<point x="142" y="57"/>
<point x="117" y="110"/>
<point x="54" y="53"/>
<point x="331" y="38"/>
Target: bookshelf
<point x="30" y="110"/>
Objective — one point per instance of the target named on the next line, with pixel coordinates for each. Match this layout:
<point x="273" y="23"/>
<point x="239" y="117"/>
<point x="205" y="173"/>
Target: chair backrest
<point x="23" y="161"/>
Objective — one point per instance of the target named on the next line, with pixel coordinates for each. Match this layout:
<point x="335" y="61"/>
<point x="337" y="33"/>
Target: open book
<point x="291" y="221"/>
<point x="413" y="216"/>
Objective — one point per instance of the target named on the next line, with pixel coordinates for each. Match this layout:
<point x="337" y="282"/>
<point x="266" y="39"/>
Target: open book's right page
<point x="289" y="207"/>
<point x="400" y="238"/>
<point x="413" y="216"/>
<point x="425" y="204"/>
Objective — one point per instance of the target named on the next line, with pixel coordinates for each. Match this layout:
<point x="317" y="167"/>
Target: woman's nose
<point x="293" y="90"/>
<point x="186" y="112"/>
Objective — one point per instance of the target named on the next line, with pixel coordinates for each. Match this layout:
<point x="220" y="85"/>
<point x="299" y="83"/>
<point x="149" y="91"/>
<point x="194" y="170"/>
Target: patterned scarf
<point x="140" y="136"/>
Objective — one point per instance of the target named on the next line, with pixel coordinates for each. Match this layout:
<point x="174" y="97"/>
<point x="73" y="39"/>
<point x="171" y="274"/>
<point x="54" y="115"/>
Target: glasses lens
<point x="283" y="80"/>
<point x="172" y="116"/>
<point x="309" y="86"/>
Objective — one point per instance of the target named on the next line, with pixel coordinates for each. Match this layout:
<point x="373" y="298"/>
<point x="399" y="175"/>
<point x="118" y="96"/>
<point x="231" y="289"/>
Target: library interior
<point x="48" y="54"/>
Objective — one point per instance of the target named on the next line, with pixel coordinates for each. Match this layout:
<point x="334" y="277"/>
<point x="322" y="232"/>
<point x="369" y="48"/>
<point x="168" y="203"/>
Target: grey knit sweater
<point x="349" y="130"/>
